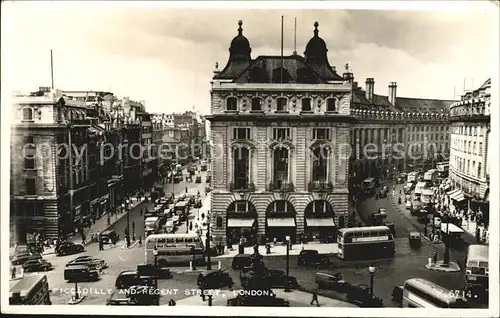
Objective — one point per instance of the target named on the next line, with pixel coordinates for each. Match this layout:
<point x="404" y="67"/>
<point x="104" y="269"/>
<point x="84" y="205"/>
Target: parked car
<point x="312" y="257"/>
<point x="109" y="236"/>
<point x="68" y="248"/>
<point x="208" y="179"/>
<point x="80" y="273"/>
<point x="197" y="204"/>
<point x="129" y="278"/>
<point x="37" y="265"/>
<point x="241" y="260"/>
<point x="83" y="260"/>
<point x="333" y="281"/>
<point x="198" y="179"/>
<point x="397" y="294"/>
<point x="401" y="178"/>
<point x="415" y="239"/>
<point x="213" y="279"/>
<point x="22" y="258"/>
<point x="278" y="279"/>
<point x="359" y="294"/>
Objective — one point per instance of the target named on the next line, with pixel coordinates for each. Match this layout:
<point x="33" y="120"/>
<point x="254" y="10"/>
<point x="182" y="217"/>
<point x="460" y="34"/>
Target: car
<point x="401" y="178"/>
<point x="278" y="279"/>
<point x="80" y="273"/>
<point x="423" y="218"/>
<point x="208" y="179"/>
<point x="383" y="192"/>
<point x="213" y="279"/>
<point x="109" y="236"/>
<point x="94" y="262"/>
<point x="415" y="239"/>
<point x="129" y="278"/>
<point x="331" y="280"/>
<point x="21" y="258"/>
<point x="408" y="205"/>
<point x="241" y="260"/>
<point x="68" y="248"/>
<point x="312" y="257"/>
<point x="359" y="294"/>
<point x="37" y="265"/>
<point x="198" y="179"/>
<point x="437" y="221"/>
<point x="197" y="204"/>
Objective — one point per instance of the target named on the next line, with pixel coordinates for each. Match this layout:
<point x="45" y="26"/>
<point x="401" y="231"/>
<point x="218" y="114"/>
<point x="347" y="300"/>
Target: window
<point x="281" y="133"/>
<point x="320" y="164"/>
<point x="306" y="105"/>
<point x="30" y="186"/>
<point x="241" y="164"/>
<point x="280" y="167"/>
<point x="479" y="170"/>
<point x="330" y="105"/>
<point x="321" y="133"/>
<point x="256" y="104"/>
<point x="29" y="162"/>
<point x="474" y="148"/>
<point x="27" y="113"/>
<point x="480" y="148"/>
<point x="281" y="104"/>
<point x="241" y="133"/>
<point x="231" y="104"/>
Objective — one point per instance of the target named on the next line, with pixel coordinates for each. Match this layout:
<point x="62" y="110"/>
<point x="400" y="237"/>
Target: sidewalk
<point x="322" y="248"/>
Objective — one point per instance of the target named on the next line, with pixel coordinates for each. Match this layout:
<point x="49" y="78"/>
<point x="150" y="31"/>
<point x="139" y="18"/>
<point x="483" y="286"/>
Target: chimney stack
<point x="370" y="87"/>
<point x="392" y="93"/>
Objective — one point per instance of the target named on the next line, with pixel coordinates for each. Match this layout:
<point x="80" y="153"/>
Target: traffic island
<point x="75" y="301"/>
<point x="440" y="266"/>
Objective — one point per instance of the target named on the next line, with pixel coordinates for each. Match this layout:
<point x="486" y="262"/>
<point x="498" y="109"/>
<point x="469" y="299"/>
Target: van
<point x="80" y="273"/>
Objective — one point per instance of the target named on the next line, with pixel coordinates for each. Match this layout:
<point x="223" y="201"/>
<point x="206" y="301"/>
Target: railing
<point x="281" y="186"/>
<point x="249" y="187"/>
<point x="320" y="186"/>
<point x="242" y="214"/>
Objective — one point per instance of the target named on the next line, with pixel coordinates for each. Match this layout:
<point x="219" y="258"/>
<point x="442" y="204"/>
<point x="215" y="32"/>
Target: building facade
<point x="470" y="141"/>
<point x="278" y="128"/>
<point x="396" y="134"/>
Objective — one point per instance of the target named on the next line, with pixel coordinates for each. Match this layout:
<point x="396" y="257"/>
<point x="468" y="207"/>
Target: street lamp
<point x="287" y="285"/>
<point x="372" y="270"/>
<point x="207" y="241"/>
<point x="194" y="257"/>
<point x="128" y="223"/>
<point x="155" y="254"/>
<point x="446" y="259"/>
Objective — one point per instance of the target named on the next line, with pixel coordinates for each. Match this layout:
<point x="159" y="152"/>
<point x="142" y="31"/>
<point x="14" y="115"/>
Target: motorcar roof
<point x="76" y="266"/>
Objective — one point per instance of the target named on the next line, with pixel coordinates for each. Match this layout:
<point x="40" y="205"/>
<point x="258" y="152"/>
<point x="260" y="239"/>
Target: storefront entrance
<point x="319" y="222"/>
<point x="280" y="221"/>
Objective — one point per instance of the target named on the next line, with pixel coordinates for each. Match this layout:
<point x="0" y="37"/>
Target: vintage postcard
<point x="246" y="158"/>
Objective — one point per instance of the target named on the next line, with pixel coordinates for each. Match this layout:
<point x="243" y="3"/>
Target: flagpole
<point x="52" y="69"/>
<point x="282" y="64"/>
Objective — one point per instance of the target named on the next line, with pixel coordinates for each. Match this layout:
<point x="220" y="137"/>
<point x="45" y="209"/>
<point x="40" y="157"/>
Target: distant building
<point x="470" y="142"/>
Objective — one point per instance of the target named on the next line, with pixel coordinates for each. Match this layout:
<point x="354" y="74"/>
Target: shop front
<point x="280" y="221"/>
<point x="241" y="226"/>
<point x="320" y="222"/>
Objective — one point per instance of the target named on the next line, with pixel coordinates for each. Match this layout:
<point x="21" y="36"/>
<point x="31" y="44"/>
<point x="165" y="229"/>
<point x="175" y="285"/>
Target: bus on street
<point x="477" y="270"/>
<point x="30" y="290"/>
<point x="421" y="293"/>
<point x="174" y="248"/>
<point x="369" y="186"/>
<point x="443" y="169"/>
<point x="370" y="242"/>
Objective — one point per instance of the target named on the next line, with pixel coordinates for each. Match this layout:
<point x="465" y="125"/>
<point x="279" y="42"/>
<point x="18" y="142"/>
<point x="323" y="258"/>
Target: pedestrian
<point x="315" y="298"/>
<point x="140" y="241"/>
<point x="13" y="272"/>
<point x="434" y="257"/>
<point x="478" y="234"/>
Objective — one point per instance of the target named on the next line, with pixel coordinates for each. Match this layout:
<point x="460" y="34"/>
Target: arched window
<point x="241" y="168"/>
<point x="231" y="104"/>
<point x="330" y="105"/>
<point x="281" y="104"/>
<point x="256" y="104"/>
<point x="281" y="170"/>
<point x="28" y="114"/>
<point x="320" y="164"/>
<point x="306" y="105"/>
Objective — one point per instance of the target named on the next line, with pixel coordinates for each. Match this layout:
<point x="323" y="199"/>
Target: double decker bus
<point x="174" y="248"/>
<point x="477" y="270"/>
<point x="421" y="293"/>
<point x="369" y="242"/>
<point x="443" y="169"/>
<point x="30" y="290"/>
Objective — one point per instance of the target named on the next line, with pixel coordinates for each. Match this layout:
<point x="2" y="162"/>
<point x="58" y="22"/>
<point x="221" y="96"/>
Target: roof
<point x="486" y="84"/>
<point x="240" y="72"/>
<point x="406" y="104"/>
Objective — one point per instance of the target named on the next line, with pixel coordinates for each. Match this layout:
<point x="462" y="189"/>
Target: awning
<point x="427" y="192"/>
<point x="452" y="192"/>
<point x="281" y="222"/>
<point x="450" y="228"/>
<point x="458" y="195"/>
<point x="240" y="222"/>
<point x="320" y="222"/>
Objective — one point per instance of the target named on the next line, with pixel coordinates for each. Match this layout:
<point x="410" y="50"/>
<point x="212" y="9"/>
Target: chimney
<point x="392" y="93"/>
<point x="370" y="85"/>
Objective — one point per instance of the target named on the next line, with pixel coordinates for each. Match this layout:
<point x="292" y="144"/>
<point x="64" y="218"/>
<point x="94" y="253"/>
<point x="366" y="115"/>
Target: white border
<point x="242" y="311"/>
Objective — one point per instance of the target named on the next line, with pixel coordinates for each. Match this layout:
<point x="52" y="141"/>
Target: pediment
<point x="243" y="144"/>
<point x="325" y="144"/>
<point x="274" y="144"/>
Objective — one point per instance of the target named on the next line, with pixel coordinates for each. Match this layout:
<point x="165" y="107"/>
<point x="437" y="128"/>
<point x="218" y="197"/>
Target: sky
<point x="166" y="56"/>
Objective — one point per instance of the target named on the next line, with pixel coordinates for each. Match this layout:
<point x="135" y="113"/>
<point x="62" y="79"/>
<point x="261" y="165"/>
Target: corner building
<point x="278" y="126"/>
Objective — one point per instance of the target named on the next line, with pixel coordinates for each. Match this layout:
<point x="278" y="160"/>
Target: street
<point x="118" y="257"/>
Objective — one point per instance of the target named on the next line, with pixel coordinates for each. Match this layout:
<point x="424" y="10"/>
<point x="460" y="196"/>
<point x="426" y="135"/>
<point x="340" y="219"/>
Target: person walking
<point x="478" y="234"/>
<point x="13" y="273"/>
<point x="315" y="298"/>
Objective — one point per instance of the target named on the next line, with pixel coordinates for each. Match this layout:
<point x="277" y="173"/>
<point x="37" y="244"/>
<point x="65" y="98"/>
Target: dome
<point x="240" y="46"/>
<point x="316" y="47"/>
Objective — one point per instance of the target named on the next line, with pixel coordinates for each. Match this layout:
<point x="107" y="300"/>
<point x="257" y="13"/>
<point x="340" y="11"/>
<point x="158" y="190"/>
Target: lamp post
<point x="446" y="237"/>
<point x="372" y="270"/>
<point x="128" y="222"/>
<point x="155" y="254"/>
<point x="287" y="285"/>
<point x="209" y="263"/>
<point x="76" y="291"/>
<point x="194" y="257"/>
